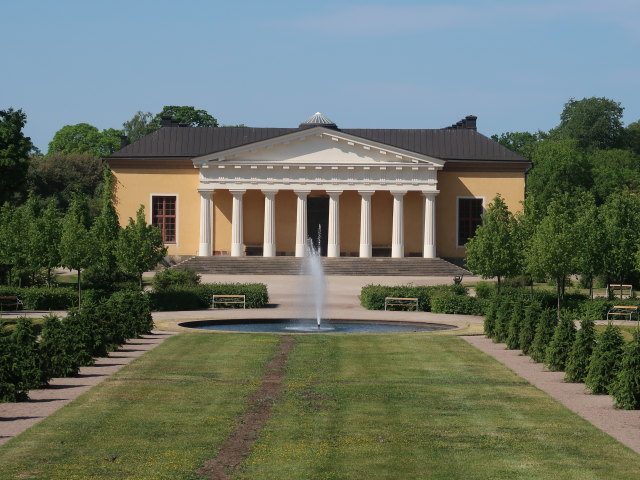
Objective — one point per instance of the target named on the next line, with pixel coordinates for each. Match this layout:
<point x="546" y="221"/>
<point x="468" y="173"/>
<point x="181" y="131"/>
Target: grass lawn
<point x="355" y="407"/>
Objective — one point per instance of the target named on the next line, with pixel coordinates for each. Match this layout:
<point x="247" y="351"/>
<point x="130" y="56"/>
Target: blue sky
<point x="402" y="64"/>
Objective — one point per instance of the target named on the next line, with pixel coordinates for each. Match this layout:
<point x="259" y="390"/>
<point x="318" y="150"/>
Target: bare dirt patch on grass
<point x="238" y="445"/>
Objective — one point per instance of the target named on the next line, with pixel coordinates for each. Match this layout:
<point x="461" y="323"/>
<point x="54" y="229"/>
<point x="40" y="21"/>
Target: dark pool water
<point x="329" y="326"/>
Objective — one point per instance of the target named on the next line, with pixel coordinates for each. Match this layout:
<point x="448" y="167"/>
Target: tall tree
<point x="186" y="115"/>
<point x="591" y="247"/>
<point x="45" y="234"/>
<point x="614" y="170"/>
<point x="85" y="138"/>
<point x="558" y="166"/>
<point x="495" y="251"/>
<point x="14" y="154"/>
<point x="594" y="122"/>
<point x="76" y="243"/>
<point x="620" y="224"/>
<point x="139" y="247"/>
<point x="138" y="126"/>
<point x="105" y="231"/>
<point x="519" y="142"/>
<point x="553" y="246"/>
<point x="632" y="137"/>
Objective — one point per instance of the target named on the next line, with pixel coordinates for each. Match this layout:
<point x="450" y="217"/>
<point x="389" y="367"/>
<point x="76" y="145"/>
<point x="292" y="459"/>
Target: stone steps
<point x="413" y="266"/>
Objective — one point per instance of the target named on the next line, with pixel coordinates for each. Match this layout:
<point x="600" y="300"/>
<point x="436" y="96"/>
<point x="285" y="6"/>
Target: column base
<point x="333" y="251"/>
<point x="429" y="251"/>
<point x="365" y="251"/>
<point x="204" y="250"/>
<point x="300" y="249"/>
<point x="397" y="251"/>
<point x="269" y="251"/>
<point x="237" y="250"/>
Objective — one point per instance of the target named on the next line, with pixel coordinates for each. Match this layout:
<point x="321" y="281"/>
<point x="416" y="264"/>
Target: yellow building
<point x="357" y="192"/>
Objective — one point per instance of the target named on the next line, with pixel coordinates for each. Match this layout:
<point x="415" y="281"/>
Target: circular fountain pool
<point x="289" y="325"/>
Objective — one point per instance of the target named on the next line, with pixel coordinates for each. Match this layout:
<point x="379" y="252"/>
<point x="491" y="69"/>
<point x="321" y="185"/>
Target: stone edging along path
<point x="15" y="418"/>
<point x="623" y="425"/>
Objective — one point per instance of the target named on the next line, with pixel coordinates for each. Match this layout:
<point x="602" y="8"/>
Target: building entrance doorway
<point x="318" y="222"/>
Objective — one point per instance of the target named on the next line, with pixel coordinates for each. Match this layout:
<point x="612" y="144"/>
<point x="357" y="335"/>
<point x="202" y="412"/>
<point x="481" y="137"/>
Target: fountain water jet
<point x="312" y="269"/>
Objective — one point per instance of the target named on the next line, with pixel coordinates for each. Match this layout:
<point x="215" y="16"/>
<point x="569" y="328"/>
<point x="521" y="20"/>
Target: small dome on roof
<point x="318" y="120"/>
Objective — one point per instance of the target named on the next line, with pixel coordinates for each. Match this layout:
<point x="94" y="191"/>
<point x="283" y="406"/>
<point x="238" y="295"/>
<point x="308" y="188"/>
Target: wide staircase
<point x="411" y="266"/>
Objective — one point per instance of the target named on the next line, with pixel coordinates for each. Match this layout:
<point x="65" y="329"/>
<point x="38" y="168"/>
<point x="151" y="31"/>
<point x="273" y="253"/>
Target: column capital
<point x="237" y="192"/>
<point x="334" y="192"/>
<point x="398" y="193"/>
<point x="268" y="192"/>
<point x="366" y="193"/>
<point x="302" y="193"/>
<point x="206" y="191"/>
<point x="427" y="193"/>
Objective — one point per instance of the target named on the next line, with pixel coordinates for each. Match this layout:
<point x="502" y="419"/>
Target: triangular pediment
<point x="317" y="146"/>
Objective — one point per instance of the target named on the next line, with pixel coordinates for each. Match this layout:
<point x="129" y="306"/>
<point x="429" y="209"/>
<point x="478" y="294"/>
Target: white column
<point x="301" y="222"/>
<point x="397" y="235"/>
<point x="205" y="222"/>
<point x="333" y="244"/>
<point x="429" y="240"/>
<point x="365" y="224"/>
<point x="237" y="242"/>
<point x="269" y="244"/>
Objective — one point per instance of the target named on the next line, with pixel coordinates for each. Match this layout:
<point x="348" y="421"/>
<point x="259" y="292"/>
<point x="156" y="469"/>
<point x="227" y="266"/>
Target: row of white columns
<point x="333" y="247"/>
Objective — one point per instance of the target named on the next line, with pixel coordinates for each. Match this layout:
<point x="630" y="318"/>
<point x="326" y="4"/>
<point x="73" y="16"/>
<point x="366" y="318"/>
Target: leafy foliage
<point x="577" y="365"/>
<point x="85" y="138"/>
<point x="139" y="126"/>
<point x="139" y="247"/>
<point x="626" y="388"/>
<point x="544" y="332"/>
<point x="186" y="115"/>
<point x="14" y="155"/>
<point x="605" y="361"/>
<point x="174" y="277"/>
<point x="494" y="250"/>
<point x="503" y="317"/>
<point x="558" y="349"/>
<point x="515" y="325"/>
<point x="178" y="298"/>
<point x="452" y="303"/>
<point x="532" y="315"/>
<point x="372" y="296"/>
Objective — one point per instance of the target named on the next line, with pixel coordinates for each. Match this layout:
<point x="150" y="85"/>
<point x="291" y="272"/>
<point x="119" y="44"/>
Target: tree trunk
<point x="591" y="286"/>
<point x="559" y="282"/>
<point x="79" y="291"/>
<point x="498" y="284"/>
<point x="49" y="277"/>
<point x="140" y="281"/>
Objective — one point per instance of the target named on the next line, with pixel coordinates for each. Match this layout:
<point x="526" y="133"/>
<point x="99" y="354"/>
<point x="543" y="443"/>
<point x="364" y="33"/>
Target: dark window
<point x="469" y="218"/>
<point x="163" y="216"/>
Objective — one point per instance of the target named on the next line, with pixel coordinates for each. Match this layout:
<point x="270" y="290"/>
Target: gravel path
<point x="623" y="425"/>
<point x="17" y="417"/>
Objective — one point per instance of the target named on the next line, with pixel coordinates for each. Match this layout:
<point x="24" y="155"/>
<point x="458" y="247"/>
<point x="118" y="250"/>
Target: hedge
<point x="43" y="298"/>
<point x="177" y="298"/>
<point x="458" y="304"/>
<point x="372" y="296"/>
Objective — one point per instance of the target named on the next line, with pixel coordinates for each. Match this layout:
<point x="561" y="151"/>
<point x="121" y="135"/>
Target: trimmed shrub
<point x="580" y="354"/>
<point x="503" y="316"/>
<point x="12" y="386"/>
<point x="199" y="297"/>
<point x="58" y="349"/>
<point x="544" y="332"/>
<point x="626" y="388"/>
<point x="372" y="296"/>
<point x="458" y="304"/>
<point x="26" y="355"/>
<point x="485" y="290"/>
<point x="42" y="298"/>
<point x="605" y="360"/>
<point x="173" y="277"/>
<point x="558" y="350"/>
<point x="515" y="324"/>
<point x="129" y="315"/>
<point x="490" y="317"/>
<point x="532" y="314"/>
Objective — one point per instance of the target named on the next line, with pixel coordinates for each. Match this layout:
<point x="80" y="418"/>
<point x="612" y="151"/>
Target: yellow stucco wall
<point x="485" y="185"/>
<point x="134" y="187"/>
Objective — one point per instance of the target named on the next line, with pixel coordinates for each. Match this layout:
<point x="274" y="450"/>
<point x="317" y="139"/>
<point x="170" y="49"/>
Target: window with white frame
<point x="163" y="216"/>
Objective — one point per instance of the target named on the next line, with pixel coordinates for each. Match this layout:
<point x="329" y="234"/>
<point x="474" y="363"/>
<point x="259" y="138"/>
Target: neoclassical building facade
<point x="355" y="192"/>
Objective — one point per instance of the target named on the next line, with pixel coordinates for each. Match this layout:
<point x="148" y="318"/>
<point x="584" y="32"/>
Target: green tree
<point x="77" y="246"/>
<point x="614" y="170"/>
<point x="494" y="250"/>
<point x="559" y="166"/>
<point x="515" y="324"/>
<point x="620" y="223"/>
<point x="45" y="232"/>
<point x="139" y="126"/>
<point x="14" y="246"/>
<point x="552" y="249"/>
<point x="558" y="350"/>
<point x="105" y="232"/>
<point x="14" y="155"/>
<point x="139" y="247"/>
<point x="544" y="332"/>
<point x="632" y="137"/>
<point x="522" y="143"/>
<point x="594" y="122"/>
<point x="626" y="388"/>
<point x="532" y="315"/>
<point x="591" y="245"/>
<point x="60" y="176"/>
<point x="605" y="361"/>
<point x="580" y="354"/>
<point x="85" y="138"/>
<point x="186" y="115"/>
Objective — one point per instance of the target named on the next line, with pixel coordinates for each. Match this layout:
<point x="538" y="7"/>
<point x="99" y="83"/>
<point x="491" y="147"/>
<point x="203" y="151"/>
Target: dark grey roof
<point x="446" y="144"/>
